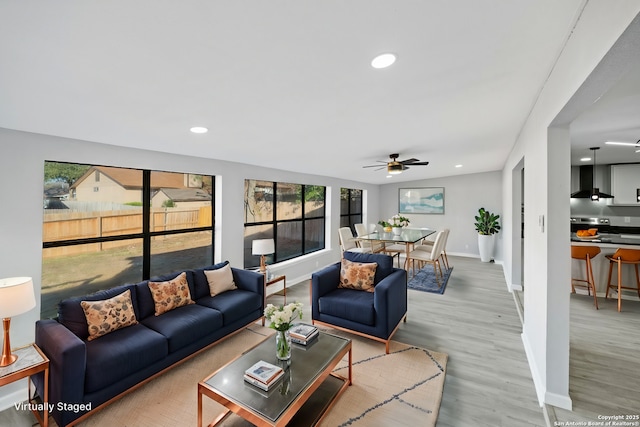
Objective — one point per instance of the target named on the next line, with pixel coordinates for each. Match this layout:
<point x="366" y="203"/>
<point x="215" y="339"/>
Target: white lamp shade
<point x="16" y="296"/>
<point x="263" y="247"/>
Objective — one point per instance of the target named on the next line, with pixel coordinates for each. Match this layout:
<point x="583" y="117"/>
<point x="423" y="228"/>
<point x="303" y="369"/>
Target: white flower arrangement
<point x="282" y="316"/>
<point x="399" y="221"/>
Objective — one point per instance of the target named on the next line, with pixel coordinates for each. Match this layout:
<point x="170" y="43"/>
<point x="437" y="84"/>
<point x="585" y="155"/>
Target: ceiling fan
<point x="629" y="144"/>
<point x="395" y="166"/>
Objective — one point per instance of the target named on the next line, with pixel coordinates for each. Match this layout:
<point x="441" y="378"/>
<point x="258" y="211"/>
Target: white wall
<point x="547" y="186"/>
<point x="22" y="174"/>
<point x="463" y="196"/>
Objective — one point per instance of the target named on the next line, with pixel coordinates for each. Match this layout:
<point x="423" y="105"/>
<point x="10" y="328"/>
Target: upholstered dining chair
<point x="348" y="243"/>
<point x="433" y="257"/>
<point x="427" y="245"/>
<point x="372" y="245"/>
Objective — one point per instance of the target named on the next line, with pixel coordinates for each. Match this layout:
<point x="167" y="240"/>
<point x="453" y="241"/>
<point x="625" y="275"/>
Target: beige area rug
<point x="403" y="388"/>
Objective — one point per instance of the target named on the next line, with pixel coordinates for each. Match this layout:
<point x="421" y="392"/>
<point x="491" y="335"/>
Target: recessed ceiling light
<point x="585" y="159"/>
<point x="458" y="166"/>
<point x="383" y="61"/>
<point x="199" y="129"/>
<point x="389" y="176"/>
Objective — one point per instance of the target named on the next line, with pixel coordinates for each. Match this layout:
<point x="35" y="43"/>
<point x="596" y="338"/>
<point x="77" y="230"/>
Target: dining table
<point x="407" y="236"/>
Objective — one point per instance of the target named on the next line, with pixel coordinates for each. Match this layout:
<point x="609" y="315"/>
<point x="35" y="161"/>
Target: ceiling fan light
<point x="394" y="168"/>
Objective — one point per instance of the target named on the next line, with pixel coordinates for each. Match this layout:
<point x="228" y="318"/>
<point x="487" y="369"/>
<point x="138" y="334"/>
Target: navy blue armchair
<point x="375" y="315"/>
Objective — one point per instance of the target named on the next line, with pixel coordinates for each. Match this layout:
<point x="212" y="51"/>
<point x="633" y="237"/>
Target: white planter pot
<point x="397" y="231"/>
<point x="486" y="244"/>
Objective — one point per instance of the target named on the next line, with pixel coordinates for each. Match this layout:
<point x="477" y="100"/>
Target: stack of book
<point x="302" y="333"/>
<point x="263" y="375"/>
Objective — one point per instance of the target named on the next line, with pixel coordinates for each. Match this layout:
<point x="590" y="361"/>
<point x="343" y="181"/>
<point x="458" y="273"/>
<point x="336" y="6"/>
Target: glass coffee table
<point x="307" y="390"/>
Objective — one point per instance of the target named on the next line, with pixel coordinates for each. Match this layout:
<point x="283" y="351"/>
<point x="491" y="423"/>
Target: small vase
<point x="283" y="345"/>
<point x="397" y="230"/>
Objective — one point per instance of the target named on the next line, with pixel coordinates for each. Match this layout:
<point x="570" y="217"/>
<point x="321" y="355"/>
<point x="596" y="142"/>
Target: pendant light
<point x="595" y="192"/>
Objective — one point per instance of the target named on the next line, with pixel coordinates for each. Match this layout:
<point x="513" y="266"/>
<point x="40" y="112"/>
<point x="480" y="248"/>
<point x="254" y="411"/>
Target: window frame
<point x="274" y="221"/>
<point x="145" y="235"/>
<point x="350" y="214"/>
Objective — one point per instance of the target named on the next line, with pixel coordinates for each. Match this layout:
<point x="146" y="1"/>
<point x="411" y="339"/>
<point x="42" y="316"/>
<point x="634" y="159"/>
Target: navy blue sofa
<point x="375" y="315"/>
<point x="84" y="375"/>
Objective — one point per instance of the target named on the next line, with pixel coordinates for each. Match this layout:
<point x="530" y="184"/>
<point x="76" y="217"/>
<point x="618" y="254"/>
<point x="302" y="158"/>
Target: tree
<point x="66" y="172"/>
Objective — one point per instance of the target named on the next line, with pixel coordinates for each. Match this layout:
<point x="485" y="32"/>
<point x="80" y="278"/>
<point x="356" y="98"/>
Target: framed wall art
<point x="428" y="200"/>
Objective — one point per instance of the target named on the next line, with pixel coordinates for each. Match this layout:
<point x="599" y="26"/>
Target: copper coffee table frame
<point x="309" y="366"/>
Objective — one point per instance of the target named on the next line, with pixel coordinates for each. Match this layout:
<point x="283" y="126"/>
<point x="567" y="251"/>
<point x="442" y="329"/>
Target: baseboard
<point x="535" y="373"/>
<point x="463" y="254"/>
<point x="558" y="400"/>
<point x="544" y="397"/>
<point x="15" y="393"/>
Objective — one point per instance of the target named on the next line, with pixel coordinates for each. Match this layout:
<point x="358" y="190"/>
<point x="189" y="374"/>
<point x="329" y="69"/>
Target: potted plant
<point x="486" y="225"/>
<point x="398" y="222"/>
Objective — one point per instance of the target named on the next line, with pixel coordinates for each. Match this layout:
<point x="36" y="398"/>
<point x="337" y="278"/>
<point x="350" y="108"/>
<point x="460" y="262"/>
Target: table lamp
<point x="16" y="297"/>
<point x="263" y="247"/>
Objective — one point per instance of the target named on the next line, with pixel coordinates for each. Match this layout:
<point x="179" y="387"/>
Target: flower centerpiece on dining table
<point x="281" y="318"/>
<point x="398" y="222"/>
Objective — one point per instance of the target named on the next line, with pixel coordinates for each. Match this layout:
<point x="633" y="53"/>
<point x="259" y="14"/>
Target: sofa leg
<point x="386" y="346"/>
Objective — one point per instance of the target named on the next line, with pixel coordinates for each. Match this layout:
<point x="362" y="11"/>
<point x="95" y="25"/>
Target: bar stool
<point x="585" y="253"/>
<point x="623" y="256"/>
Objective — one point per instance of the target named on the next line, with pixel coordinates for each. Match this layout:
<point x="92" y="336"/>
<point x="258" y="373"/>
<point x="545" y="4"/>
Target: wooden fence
<point x="82" y="225"/>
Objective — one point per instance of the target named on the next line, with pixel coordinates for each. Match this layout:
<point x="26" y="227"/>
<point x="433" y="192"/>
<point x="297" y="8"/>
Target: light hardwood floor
<point x="488" y="381"/>
<point x="604" y="366"/>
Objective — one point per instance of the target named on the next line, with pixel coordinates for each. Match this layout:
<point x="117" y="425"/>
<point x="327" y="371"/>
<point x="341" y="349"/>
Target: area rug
<point x="425" y="280"/>
<point x="403" y="388"/>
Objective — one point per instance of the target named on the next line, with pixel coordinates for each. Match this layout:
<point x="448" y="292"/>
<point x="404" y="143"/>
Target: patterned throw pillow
<point x="357" y="275"/>
<point x="170" y="294"/>
<point x="109" y="315"/>
<point x="220" y="280"/>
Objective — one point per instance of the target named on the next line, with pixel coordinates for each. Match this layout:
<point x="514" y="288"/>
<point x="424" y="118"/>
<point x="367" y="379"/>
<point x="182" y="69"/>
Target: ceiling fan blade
<point x="409" y="161"/>
<point x="631" y="144"/>
<point x="419" y="164"/>
<point x="375" y="166"/>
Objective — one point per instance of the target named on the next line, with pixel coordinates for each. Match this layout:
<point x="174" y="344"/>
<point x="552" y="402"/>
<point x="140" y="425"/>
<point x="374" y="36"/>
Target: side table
<point x="31" y="360"/>
<point x="282" y="278"/>
<point x="275" y="280"/>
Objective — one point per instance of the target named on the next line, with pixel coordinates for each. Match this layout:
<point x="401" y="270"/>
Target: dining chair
<point x="348" y="243"/>
<point x="372" y="245"/>
<point x="395" y="249"/>
<point x="433" y="257"/>
<point x="586" y="254"/>
<point x="427" y="245"/>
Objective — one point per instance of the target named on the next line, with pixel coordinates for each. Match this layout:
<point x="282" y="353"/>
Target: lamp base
<point x="8" y="361"/>
<point x="7" y="358"/>
<point x="263" y="264"/>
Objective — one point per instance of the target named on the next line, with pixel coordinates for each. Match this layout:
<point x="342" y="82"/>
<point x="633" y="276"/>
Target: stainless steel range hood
<point x="586" y="185"/>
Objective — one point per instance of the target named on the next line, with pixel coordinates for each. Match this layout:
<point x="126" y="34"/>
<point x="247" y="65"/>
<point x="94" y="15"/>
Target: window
<point x="134" y="225"/>
<point x="291" y="214"/>
<point x="350" y="208"/>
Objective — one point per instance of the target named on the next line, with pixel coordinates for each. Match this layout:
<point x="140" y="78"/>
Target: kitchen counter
<point x="606" y="239"/>
<point x="608" y="244"/>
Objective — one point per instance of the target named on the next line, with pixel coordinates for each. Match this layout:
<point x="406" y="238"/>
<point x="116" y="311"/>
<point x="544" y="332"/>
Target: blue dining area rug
<point x="425" y="280"/>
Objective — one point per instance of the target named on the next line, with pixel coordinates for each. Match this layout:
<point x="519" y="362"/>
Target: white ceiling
<point x="285" y="84"/>
<point x="614" y="117"/>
